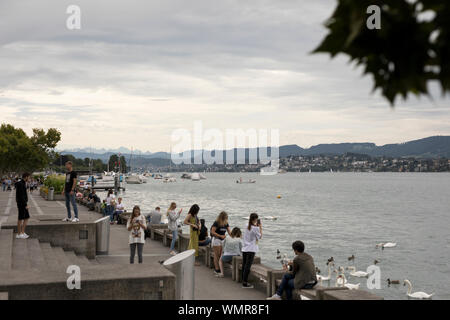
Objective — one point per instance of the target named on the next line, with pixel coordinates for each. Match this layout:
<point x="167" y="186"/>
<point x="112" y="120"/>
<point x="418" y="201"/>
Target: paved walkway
<point x="208" y="287"/>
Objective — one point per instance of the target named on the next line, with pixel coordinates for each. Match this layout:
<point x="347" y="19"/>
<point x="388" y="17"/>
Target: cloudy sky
<point x="138" y="70"/>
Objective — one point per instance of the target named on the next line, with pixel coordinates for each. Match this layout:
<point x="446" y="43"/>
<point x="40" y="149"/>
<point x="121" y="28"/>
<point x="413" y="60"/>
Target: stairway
<point x="30" y="254"/>
<point x="30" y="269"/>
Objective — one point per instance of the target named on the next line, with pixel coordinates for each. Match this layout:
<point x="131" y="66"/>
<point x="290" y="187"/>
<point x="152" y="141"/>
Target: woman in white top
<point x="136" y="225"/>
<point x="173" y="225"/>
<point x="251" y="236"/>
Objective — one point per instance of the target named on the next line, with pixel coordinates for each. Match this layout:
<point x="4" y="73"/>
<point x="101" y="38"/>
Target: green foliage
<point x="55" y="181"/>
<point x="405" y="54"/>
<point x="19" y="153"/>
<point x="97" y="165"/>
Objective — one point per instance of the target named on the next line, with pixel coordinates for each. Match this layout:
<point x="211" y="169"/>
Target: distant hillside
<point x="431" y="147"/>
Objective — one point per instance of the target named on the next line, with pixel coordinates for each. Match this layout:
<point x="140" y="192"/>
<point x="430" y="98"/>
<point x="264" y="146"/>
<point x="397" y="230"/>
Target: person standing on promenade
<point x="173" y="217"/>
<point x="203" y="239"/>
<point x="251" y="236"/>
<point x="218" y="230"/>
<point x="22" y="206"/>
<point x="4" y="184"/>
<point x="192" y="221"/>
<point x="69" y="192"/>
<point x="136" y="225"/>
<point x="301" y="273"/>
<point x="231" y="247"/>
<point x="110" y="203"/>
<point x="118" y="210"/>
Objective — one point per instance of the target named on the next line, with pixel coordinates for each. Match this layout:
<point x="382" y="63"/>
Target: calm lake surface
<point x="334" y="214"/>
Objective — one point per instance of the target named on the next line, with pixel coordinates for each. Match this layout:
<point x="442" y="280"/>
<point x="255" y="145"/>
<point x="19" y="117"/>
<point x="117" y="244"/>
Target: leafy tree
<point x="19" y="153"/>
<point x="411" y="49"/>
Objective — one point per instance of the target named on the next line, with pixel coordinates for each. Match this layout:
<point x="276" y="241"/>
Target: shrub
<point x="55" y="181"/>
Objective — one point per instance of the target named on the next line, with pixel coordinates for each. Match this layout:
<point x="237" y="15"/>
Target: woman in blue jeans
<point x="301" y="273"/>
<point x="173" y="217"/>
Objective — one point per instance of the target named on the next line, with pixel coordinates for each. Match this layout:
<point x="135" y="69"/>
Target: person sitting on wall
<point x="301" y="273"/>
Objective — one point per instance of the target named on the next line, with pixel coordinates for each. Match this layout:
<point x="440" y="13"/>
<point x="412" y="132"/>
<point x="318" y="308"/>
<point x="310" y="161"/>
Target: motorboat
<point x="134" y="179"/>
<point x="195" y="177"/>
<point x="202" y="176"/>
<point x="185" y="176"/>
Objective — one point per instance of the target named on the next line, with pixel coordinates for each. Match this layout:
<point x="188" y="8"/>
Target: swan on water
<point x="418" y="294"/>
<point x="325" y="278"/>
<point x="359" y="274"/>
<point x="386" y="245"/>
<point x="341" y="281"/>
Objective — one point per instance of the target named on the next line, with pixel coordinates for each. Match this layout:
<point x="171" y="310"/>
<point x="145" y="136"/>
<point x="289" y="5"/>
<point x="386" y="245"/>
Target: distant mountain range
<point x="431" y="147"/>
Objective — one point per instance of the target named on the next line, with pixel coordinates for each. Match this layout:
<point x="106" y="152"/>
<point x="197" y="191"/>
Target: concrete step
<point x="77" y="260"/>
<point x="6" y="245"/>
<point x="84" y="261"/>
<point x="63" y="260"/>
<point x="36" y="256"/>
<point x="20" y="255"/>
<point x="50" y="256"/>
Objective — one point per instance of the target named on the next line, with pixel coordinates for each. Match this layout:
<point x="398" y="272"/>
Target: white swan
<point x="359" y="274"/>
<point x="418" y="294"/>
<point x="386" y="245"/>
<point x="321" y="278"/>
<point x="343" y="283"/>
<point x="340" y="281"/>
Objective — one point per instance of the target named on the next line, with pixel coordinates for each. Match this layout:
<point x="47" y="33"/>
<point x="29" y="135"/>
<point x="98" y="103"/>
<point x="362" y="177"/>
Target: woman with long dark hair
<point x="192" y="221"/>
<point x="136" y="225"/>
<point x="252" y="234"/>
<point x="218" y="230"/>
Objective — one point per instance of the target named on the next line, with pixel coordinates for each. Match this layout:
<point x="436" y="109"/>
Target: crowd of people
<point x="225" y="242"/>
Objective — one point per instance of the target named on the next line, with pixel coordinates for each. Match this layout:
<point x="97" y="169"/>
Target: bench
<point x="157" y="234"/>
<point x="257" y="270"/>
<point x="152" y="227"/>
<point x="316" y="293"/>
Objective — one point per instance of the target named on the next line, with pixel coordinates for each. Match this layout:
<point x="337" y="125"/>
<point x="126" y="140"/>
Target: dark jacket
<point x="21" y="193"/>
<point x="304" y="270"/>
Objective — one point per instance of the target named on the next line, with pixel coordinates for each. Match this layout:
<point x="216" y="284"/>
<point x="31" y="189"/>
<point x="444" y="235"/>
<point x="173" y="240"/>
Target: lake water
<point x="334" y="214"/>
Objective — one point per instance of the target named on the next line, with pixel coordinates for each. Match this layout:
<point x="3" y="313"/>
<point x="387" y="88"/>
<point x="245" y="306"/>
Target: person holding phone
<point x="192" y="221"/>
<point x="173" y="225"/>
<point x="136" y="225"/>
<point x="250" y="247"/>
<point x="218" y="230"/>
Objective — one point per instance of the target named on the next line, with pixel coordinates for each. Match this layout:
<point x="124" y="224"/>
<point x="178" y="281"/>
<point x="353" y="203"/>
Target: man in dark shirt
<point x="302" y="273"/>
<point x="69" y="192"/>
<point x="22" y="206"/>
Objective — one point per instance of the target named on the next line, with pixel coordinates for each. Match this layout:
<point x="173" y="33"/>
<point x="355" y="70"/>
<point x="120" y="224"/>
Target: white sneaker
<point x="274" y="297"/>
<point x="65" y="219"/>
<point x="25" y="236"/>
<point x="173" y="253"/>
<point x="19" y="236"/>
<point x="75" y="220"/>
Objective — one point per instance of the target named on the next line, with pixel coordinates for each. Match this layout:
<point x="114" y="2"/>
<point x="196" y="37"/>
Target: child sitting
<point x="231" y="247"/>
